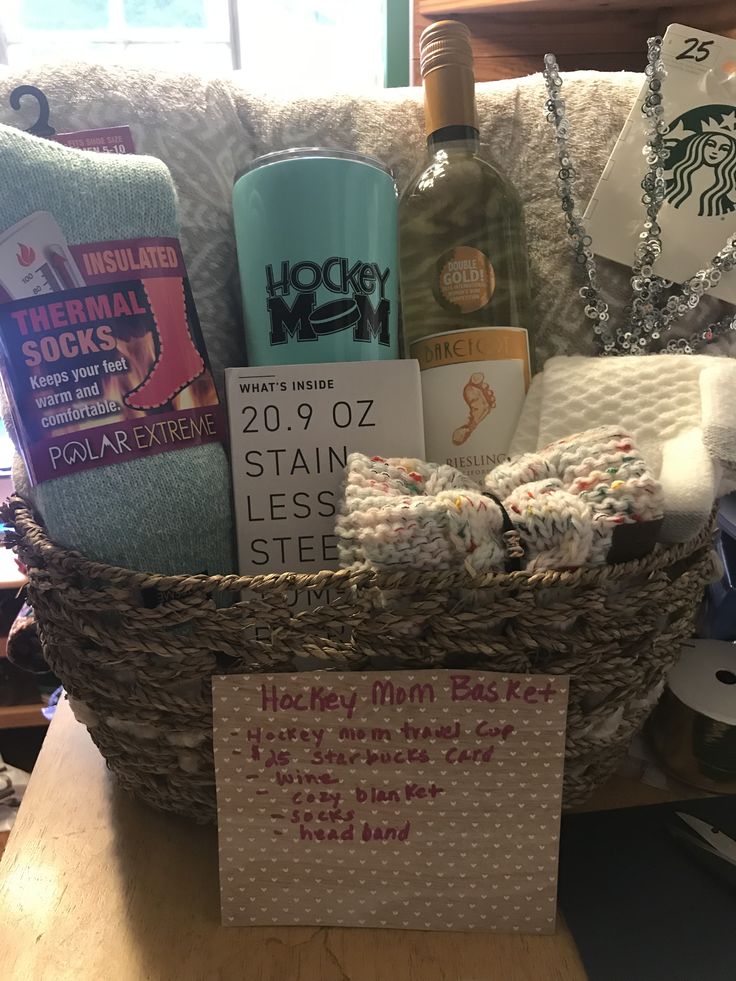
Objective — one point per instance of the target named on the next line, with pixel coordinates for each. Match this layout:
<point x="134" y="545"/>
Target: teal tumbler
<point x="316" y="232"/>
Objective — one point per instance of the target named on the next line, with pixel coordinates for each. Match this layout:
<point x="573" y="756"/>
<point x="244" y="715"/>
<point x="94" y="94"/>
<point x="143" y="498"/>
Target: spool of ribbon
<point x="694" y="725"/>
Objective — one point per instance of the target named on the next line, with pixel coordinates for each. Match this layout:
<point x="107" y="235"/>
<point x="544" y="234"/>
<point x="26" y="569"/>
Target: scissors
<point x="713" y="847"/>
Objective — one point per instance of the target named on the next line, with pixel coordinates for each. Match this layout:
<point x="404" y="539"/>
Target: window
<point x="328" y="44"/>
<point x="167" y="33"/>
<point x="277" y="44"/>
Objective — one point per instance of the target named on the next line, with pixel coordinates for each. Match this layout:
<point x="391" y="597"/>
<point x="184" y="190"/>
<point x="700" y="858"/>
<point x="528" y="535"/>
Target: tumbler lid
<point x="308" y="152"/>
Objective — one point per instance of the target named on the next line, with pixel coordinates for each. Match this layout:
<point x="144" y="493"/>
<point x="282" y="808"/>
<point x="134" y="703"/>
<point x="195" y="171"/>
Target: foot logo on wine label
<point x="480" y="400"/>
<point x="364" y="306"/>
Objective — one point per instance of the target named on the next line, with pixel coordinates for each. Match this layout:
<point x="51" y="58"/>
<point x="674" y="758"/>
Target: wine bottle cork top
<point x="444" y="43"/>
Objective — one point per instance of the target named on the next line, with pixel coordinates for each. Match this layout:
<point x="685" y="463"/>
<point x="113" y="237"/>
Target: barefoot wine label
<point x="101" y="351"/>
<point x="464" y="287"/>
<point x="316" y="237"/>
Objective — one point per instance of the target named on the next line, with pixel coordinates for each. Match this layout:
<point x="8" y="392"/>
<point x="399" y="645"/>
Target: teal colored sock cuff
<point x="95" y="197"/>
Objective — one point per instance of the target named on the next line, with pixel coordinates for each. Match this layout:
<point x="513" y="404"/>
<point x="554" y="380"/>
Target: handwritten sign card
<point x="425" y="800"/>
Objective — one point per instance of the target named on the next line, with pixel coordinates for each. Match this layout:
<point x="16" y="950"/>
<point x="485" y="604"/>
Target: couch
<point x="208" y="128"/>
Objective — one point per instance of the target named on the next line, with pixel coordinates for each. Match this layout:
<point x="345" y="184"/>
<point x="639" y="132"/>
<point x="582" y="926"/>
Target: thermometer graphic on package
<point x="35" y="258"/>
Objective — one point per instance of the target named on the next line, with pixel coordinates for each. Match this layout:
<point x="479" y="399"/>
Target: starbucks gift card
<point x="699" y="211"/>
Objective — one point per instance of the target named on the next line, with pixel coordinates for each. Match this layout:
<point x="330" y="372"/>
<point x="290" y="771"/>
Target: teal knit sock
<point x="169" y="513"/>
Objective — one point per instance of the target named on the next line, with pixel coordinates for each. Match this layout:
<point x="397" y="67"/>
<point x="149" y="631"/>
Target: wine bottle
<point x="463" y="269"/>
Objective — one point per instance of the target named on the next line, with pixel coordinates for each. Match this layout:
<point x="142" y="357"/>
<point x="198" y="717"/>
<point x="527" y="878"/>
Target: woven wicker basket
<point x="135" y="651"/>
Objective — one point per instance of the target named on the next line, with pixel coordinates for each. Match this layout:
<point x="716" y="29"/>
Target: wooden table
<point x="95" y="886"/>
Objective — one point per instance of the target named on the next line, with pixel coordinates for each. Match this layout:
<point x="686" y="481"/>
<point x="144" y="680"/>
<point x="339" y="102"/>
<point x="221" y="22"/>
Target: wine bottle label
<point x="473" y="386"/>
<point x="465" y="279"/>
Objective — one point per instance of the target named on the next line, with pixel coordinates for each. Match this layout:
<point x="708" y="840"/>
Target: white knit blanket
<point x="680" y="409"/>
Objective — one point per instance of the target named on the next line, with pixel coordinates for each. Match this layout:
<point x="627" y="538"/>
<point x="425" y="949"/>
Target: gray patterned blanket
<point x="208" y="128"/>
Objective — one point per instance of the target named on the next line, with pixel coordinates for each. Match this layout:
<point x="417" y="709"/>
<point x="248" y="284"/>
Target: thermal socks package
<point x="169" y="513"/>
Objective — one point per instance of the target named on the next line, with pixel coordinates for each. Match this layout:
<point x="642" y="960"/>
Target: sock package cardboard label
<point x="111" y="139"/>
<point x="102" y="354"/>
<point x="697" y="216"/>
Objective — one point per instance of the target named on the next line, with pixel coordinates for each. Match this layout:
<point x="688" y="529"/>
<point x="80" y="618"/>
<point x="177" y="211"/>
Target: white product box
<point x="292" y="428"/>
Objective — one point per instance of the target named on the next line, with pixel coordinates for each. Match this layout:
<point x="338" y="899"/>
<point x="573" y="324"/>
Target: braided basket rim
<point x="500" y="621"/>
<point x="26" y="529"/>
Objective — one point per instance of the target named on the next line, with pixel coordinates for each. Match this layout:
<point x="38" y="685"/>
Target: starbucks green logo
<point x="701" y="164"/>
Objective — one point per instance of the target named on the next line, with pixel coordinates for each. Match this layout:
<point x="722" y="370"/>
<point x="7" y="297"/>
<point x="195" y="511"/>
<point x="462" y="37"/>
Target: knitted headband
<point x="565" y="502"/>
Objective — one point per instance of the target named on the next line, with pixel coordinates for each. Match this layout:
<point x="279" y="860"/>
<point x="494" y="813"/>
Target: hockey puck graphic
<point x="329" y="318"/>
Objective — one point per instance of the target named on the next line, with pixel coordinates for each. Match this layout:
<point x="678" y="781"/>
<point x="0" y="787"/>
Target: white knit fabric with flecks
<point x="564" y="502"/>
<point x="679" y="409"/>
<point x="607" y="482"/>
<point x="414" y="514"/>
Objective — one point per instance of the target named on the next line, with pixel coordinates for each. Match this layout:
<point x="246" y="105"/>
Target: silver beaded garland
<point x="595" y="307"/>
<point x="656" y="304"/>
